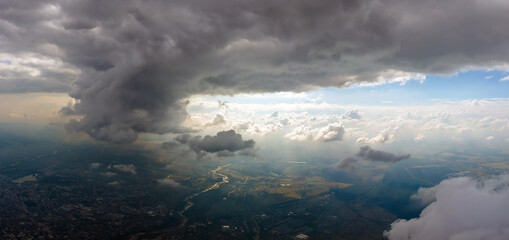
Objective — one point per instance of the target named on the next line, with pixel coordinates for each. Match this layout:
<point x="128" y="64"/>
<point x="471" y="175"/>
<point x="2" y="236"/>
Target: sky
<point x="223" y="78"/>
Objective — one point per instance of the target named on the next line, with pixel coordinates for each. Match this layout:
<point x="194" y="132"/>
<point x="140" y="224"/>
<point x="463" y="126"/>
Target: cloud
<point x="170" y="145"/>
<point x="329" y="133"/>
<point x="352" y="114"/>
<point x="169" y="182"/>
<point x="506" y="78"/>
<point x="380" y="156"/>
<point x="127" y="168"/>
<point x="34" y="72"/>
<point x="68" y="110"/>
<point x="419" y="137"/>
<point x="368" y="154"/>
<point x="114" y="183"/>
<point x="224" y="143"/>
<point x="261" y="129"/>
<point x="131" y="64"/>
<point x="95" y="165"/>
<point x="108" y="174"/>
<point x="225" y="153"/>
<point x="218" y="120"/>
<point x="460" y="208"/>
<point x="347" y="164"/>
<point x="385" y="136"/>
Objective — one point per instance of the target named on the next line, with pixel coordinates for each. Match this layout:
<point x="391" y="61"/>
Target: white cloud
<point x="218" y="120"/>
<point x="395" y="76"/>
<point x="490" y="138"/>
<point x="385" y="136"/>
<point x="506" y="78"/>
<point x="169" y="182"/>
<point x="419" y="137"/>
<point x="127" y="168"/>
<point x="317" y="99"/>
<point x="441" y="120"/>
<point x="261" y="129"/>
<point x="461" y="209"/>
<point x="95" y="165"/>
<point x="352" y="114"/>
<point x="331" y="132"/>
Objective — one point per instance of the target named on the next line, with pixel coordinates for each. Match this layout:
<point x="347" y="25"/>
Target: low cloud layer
<point x="130" y="64"/>
<point x="460" y="208"/>
<point x="127" y="168"/>
<point x="368" y="154"/>
<point x="224" y="144"/>
<point x="348" y="164"/>
<point x="169" y="182"/>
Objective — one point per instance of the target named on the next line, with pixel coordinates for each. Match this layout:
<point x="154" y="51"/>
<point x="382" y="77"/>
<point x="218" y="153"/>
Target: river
<point x="188" y="201"/>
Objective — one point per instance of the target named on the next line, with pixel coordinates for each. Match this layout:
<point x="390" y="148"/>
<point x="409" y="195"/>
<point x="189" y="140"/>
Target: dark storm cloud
<point x="226" y="140"/>
<point x="224" y="144"/>
<point x="225" y="153"/>
<point x="169" y="145"/>
<point x="380" y="156"/>
<point x="25" y="85"/>
<point x="184" y="138"/>
<point x="68" y="110"/>
<point x="137" y="61"/>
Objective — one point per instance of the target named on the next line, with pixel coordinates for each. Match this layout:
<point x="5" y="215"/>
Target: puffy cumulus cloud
<point x="461" y="208"/>
<point x="329" y="133"/>
<point x="400" y="125"/>
<point x="385" y="136"/>
<point x="490" y="122"/>
<point x="130" y="64"/>
<point x="262" y="128"/>
<point x="352" y="114"/>
<point x="224" y="143"/>
<point x="380" y="156"/>
<point x="127" y="168"/>
<point x="218" y="120"/>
